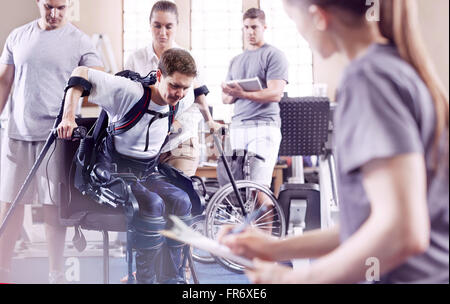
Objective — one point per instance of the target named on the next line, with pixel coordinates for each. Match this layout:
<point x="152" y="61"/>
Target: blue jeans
<point x="157" y="197"/>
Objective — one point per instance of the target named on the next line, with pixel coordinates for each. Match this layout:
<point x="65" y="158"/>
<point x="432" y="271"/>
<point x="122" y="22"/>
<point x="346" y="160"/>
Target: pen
<point x="250" y="218"/>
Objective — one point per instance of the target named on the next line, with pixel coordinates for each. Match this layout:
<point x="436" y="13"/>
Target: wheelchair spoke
<point x="255" y="199"/>
<point x="252" y="199"/>
<point x="219" y="222"/>
<point x="232" y="206"/>
<point x="268" y="224"/>
<point x="231" y="215"/>
<point x="264" y="215"/>
<point x="225" y="209"/>
<point x="224" y="217"/>
<point x="268" y="227"/>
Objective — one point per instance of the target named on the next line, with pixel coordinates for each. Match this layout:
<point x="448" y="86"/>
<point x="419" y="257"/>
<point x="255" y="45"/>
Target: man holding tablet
<point x="256" y="121"/>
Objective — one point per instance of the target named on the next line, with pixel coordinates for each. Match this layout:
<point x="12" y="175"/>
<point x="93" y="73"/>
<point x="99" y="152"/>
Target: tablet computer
<point x="249" y="85"/>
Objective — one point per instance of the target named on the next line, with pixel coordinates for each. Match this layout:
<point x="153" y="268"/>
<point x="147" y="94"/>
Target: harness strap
<point x="172" y="113"/>
<point x="156" y="115"/>
<point x="133" y="116"/>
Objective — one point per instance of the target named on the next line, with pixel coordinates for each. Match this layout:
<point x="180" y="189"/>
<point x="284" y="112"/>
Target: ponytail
<point x="399" y="24"/>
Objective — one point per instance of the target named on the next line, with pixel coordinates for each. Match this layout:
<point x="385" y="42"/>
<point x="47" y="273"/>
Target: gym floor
<point x="30" y="266"/>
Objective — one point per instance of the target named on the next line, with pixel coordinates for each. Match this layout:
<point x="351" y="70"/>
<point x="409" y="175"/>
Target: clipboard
<point x="249" y="85"/>
<point x="183" y="233"/>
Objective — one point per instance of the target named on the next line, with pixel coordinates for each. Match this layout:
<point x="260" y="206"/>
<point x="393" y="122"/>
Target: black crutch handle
<point x="79" y="133"/>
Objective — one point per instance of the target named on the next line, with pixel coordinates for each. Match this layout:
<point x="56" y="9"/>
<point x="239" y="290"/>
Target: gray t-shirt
<point x="266" y="63"/>
<point x="43" y="61"/>
<point x="385" y="109"/>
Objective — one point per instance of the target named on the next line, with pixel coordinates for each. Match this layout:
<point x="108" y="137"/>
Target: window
<point x="136" y="27"/>
<point x="216" y="37"/>
<point x="282" y="33"/>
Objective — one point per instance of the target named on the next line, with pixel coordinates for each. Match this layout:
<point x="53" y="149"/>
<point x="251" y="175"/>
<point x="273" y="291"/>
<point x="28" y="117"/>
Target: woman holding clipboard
<point x="392" y="156"/>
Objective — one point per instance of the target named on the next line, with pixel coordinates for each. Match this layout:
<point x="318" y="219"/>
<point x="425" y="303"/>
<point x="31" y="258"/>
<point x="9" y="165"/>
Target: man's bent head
<point x="177" y="60"/>
<point x="176" y="73"/>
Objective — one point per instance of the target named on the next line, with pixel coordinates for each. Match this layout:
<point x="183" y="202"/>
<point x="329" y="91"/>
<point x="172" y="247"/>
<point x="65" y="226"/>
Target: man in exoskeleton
<point x="137" y="150"/>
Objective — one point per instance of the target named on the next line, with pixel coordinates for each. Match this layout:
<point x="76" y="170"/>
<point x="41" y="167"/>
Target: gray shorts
<point x="17" y="158"/>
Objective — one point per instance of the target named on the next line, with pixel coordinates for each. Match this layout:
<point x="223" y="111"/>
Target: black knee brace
<point x="144" y="234"/>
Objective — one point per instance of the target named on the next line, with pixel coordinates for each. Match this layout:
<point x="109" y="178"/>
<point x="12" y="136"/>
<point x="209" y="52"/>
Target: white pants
<point x="260" y="138"/>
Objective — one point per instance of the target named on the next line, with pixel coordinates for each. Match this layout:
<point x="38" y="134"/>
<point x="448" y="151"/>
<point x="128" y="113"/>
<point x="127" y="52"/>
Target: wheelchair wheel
<point x="199" y="255"/>
<point x="224" y="209"/>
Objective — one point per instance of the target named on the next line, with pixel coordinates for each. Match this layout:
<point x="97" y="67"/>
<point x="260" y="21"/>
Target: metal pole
<point x="230" y="175"/>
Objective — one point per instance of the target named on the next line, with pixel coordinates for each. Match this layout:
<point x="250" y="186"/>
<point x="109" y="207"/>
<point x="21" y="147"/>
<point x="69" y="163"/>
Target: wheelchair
<point x="234" y="200"/>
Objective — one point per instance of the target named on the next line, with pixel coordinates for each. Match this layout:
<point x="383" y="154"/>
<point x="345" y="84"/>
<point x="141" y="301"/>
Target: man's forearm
<point x="263" y="96"/>
<point x="74" y="94"/>
<point x="203" y="107"/>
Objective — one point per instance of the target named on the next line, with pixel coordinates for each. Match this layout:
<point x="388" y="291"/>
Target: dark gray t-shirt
<point x="385" y="109"/>
<point x="266" y="63"/>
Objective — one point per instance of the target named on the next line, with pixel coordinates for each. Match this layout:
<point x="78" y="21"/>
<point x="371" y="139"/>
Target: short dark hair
<point x="255" y="13"/>
<point x="177" y="60"/>
<point x="164" y="6"/>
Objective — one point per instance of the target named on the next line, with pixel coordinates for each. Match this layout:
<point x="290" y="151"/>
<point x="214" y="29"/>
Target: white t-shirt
<point x="43" y="62"/>
<point x="145" y="60"/>
<point x="117" y="95"/>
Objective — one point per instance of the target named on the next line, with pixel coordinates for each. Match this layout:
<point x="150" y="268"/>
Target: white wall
<point x="434" y="21"/>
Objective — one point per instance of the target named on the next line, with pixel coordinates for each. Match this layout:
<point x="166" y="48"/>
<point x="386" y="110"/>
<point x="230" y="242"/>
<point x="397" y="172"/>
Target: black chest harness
<point x="97" y="156"/>
<point x="137" y="113"/>
<point x="97" y="161"/>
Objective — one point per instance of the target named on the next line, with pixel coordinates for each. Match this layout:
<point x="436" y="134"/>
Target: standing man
<point x="38" y="59"/>
<point x="182" y="149"/>
<point x="256" y="122"/>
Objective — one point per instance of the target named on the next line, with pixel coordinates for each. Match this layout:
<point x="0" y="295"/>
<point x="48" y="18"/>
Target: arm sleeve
<point x="277" y="66"/>
<point x="7" y="54"/>
<point x="89" y="56"/>
<point x="374" y="121"/>
<point x="115" y="94"/>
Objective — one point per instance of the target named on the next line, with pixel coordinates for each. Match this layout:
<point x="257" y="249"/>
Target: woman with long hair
<point x="392" y="156"/>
